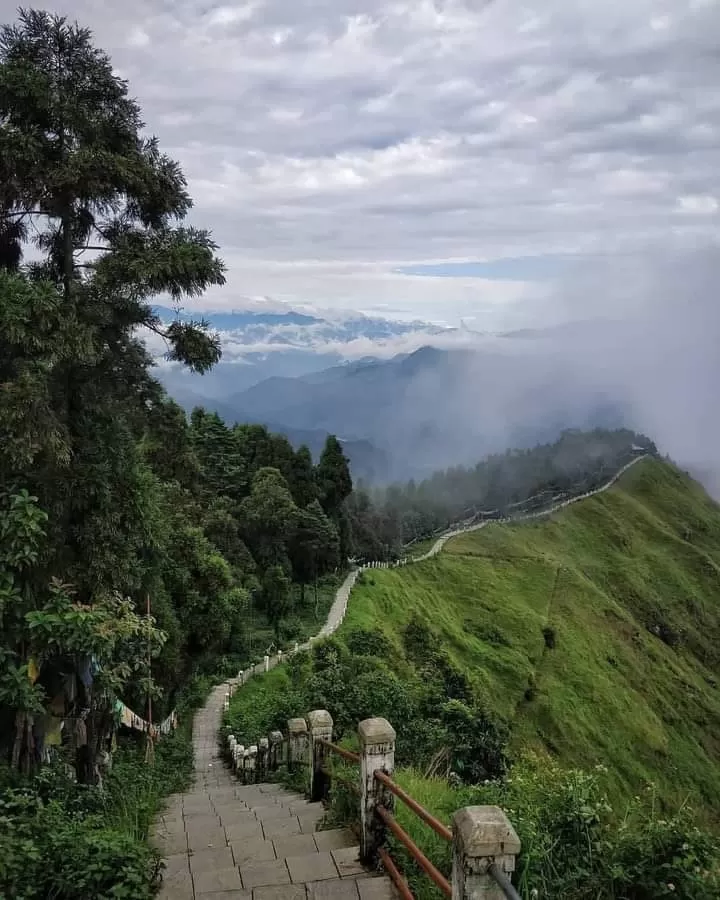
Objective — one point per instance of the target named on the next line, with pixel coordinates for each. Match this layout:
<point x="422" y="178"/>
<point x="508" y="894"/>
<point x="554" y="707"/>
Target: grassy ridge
<point x="627" y="587"/>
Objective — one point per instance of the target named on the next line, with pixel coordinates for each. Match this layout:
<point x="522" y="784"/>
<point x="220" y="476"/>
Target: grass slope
<point x="629" y="583"/>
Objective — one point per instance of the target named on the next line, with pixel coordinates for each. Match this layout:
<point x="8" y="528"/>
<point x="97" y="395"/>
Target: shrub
<point x="369" y="642"/>
<point x="549" y="637"/>
<point x="489" y="633"/>
<point x="478" y="743"/>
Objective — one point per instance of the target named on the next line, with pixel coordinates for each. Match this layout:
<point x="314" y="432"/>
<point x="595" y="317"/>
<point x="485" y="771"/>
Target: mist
<point x="633" y="342"/>
<point x="625" y="341"/>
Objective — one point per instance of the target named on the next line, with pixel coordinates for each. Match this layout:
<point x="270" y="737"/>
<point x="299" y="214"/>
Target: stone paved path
<point x="226" y="841"/>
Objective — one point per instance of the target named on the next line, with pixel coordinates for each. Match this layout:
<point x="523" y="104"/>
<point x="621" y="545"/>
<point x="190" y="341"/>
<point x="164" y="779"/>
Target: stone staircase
<point x="227" y="841"/>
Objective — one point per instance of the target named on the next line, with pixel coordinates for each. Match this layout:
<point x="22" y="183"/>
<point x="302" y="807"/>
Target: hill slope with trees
<point x="566" y="668"/>
<point x="135" y="546"/>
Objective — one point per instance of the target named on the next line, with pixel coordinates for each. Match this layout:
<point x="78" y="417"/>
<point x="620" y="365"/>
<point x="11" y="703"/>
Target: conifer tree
<point x="333" y="477"/>
<point x="107" y="209"/>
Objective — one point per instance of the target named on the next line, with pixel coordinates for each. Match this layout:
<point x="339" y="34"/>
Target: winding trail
<point x="339" y="607"/>
<point x="225" y="841"/>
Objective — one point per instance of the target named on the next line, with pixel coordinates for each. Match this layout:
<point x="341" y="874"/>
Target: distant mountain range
<point x="409" y="415"/>
<point x="274" y="339"/>
<point x="279" y="327"/>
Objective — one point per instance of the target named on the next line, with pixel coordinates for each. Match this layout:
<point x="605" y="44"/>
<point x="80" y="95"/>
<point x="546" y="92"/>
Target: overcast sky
<point x="351" y="152"/>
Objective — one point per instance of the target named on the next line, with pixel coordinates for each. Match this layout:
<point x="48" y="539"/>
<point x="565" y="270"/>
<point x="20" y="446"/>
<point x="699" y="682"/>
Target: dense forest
<point x="111" y="503"/>
<point x="384" y="521"/>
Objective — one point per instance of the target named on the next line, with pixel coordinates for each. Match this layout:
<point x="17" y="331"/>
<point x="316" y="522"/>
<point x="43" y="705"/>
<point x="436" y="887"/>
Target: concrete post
<point x="279" y="656"/>
<point x="276" y="739"/>
<point x="251" y="763"/>
<point x="320" y="727"/>
<point x="482" y="835"/>
<point x="297" y="647"/>
<point x="238" y="762"/>
<point x="262" y="758"/>
<point x="377" y="751"/>
<point x="297" y="742"/>
<point x="267" y="663"/>
<point x="246" y="765"/>
<point x="226" y="701"/>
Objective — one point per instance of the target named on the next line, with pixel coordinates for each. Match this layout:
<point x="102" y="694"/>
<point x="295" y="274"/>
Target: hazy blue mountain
<point x="414" y="412"/>
<point x="367" y="462"/>
<point x="430" y="408"/>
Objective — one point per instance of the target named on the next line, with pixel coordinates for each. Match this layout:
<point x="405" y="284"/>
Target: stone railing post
<point x="245" y="765"/>
<point x="276" y="739"/>
<point x="267" y="663"/>
<point x="320" y="728"/>
<point x="482" y="835"/>
<point x="377" y="751"/>
<point x="238" y="759"/>
<point x="263" y="754"/>
<point x="297" y="742"/>
<point x="251" y="763"/>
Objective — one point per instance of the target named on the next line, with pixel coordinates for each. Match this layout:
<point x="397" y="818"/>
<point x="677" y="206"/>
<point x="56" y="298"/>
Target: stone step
<point x="223" y="840"/>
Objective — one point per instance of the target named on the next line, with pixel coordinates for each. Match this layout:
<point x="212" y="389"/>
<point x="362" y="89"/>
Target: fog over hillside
<point x="643" y="353"/>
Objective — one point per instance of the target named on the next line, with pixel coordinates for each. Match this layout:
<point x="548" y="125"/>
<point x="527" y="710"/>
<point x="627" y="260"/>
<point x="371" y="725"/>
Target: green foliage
<point x="333" y="477"/>
<point x="473" y="624"/>
<point x="575" y="843"/>
<point x="276" y="596"/>
<point x="369" y="642"/>
<point x="611" y="691"/>
<point x="402" y="518"/>
<point x="60" y="839"/>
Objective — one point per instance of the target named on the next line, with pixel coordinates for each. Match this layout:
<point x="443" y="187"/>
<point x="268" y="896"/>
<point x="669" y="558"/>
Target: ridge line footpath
<point x="226" y="841"/>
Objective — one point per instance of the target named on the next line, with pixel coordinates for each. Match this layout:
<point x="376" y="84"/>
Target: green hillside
<point x="595" y="634"/>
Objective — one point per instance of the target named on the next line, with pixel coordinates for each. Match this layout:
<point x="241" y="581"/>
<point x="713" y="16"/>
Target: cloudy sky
<point x="431" y="159"/>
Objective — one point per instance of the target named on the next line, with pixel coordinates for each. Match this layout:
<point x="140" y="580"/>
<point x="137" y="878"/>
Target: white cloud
<point x="699" y="204"/>
<point x="325" y="143"/>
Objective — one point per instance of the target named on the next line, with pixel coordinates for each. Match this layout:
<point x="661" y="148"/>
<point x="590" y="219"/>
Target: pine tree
<point x="314" y="546"/>
<point x="333" y="477"/>
<point x="302" y="480"/>
<point x="73" y="161"/>
<point x="107" y="207"/>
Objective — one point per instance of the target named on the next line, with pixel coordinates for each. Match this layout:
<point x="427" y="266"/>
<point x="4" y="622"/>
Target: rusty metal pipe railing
<point x="503" y="882"/>
<point x="394" y="873"/>
<point x="437" y="826"/>
<point x="440" y="880"/>
<point x="346" y="754"/>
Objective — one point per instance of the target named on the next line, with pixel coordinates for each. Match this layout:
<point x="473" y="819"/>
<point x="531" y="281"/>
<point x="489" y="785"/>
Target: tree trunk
<point x="67" y="258"/>
<point x="20" y="719"/>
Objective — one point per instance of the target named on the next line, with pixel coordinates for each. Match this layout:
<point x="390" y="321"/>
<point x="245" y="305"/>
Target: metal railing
<point x="503" y="882"/>
<point x="392" y="825"/>
<point x="376" y="792"/>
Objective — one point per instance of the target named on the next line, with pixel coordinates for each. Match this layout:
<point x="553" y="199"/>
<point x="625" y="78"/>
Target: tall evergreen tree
<point x="302" y="479"/>
<point x="314" y="549"/>
<point x="72" y="159"/>
<point x="107" y="207"/>
<point x="333" y="477"/>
